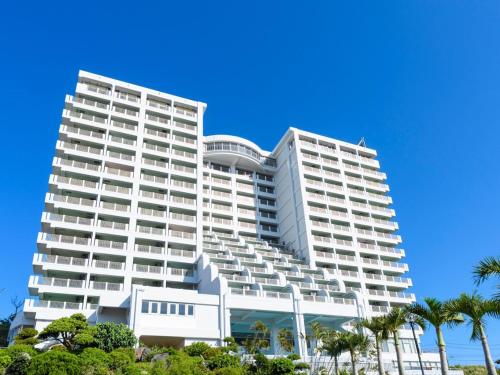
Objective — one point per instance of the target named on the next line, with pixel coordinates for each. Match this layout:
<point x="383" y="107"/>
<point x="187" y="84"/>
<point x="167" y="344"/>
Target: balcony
<point x="59" y="259"/>
<point x="112" y="225"/>
<point x="83" y="132"/>
<point x="115" y="206"/>
<point x="76" y="164"/>
<point x="78" y="147"/>
<point x="73" y="181"/>
<point x="146" y="268"/>
<point x="57" y="282"/>
<point x="108" y="244"/>
<point x="149" y="249"/>
<point x="50" y="216"/>
<point x="103" y="285"/>
<point x="63" y="239"/>
<point x="107" y="264"/>
<point x="70" y="200"/>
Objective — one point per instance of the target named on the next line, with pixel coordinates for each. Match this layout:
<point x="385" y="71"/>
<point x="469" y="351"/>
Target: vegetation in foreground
<point x="108" y="348"/>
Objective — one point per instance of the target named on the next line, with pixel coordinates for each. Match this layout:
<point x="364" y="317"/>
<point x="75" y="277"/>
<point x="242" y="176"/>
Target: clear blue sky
<point x="420" y="80"/>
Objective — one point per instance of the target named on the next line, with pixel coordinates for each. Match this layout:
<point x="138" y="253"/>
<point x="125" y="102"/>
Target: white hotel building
<point x="186" y="237"/>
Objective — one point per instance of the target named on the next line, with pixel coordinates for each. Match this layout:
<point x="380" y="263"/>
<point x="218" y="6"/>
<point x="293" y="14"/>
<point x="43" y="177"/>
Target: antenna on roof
<point x="362" y="142"/>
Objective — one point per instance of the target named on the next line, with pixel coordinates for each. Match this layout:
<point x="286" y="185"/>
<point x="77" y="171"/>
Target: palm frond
<point x="486" y="268"/>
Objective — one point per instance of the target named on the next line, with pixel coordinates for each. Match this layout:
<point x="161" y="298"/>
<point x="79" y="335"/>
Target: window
<point x="173" y="308"/>
<point x="163" y="308"/>
<point x="182" y="309"/>
<point x="166" y="308"/>
<point x="154" y="308"/>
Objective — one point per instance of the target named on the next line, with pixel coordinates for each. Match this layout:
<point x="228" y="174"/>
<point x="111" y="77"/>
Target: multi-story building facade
<point x="186" y="237"/>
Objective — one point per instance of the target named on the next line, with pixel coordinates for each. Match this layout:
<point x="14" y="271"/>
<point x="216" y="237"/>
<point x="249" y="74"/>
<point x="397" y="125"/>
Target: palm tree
<point x="285" y="340"/>
<point x="437" y="313"/>
<point x="377" y="326"/>
<point x="488" y="267"/>
<point x="334" y="345"/>
<point x="355" y="343"/>
<point x="476" y="308"/>
<point x="396" y="318"/>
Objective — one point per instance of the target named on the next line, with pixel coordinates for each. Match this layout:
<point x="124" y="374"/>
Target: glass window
<point x="154" y="308"/>
<point x="190" y="310"/>
<point x="182" y="309"/>
<point x="163" y="308"/>
<point x="145" y="307"/>
<point x="173" y="308"/>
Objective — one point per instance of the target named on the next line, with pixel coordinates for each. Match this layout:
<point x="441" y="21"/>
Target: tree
<point x="377" y="326"/>
<point x="334" y="346"/>
<point x="355" y="343"/>
<point x="285" y="339"/>
<point x="393" y="322"/>
<point x="487" y="268"/>
<point x="72" y="332"/>
<point x="27" y="336"/>
<point x="259" y="340"/>
<point x="437" y="313"/>
<point x="476" y="308"/>
<point x="109" y="336"/>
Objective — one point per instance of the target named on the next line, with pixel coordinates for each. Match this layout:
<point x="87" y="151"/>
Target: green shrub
<point x="121" y="358"/>
<point x="55" y="362"/>
<point x="281" y="366"/>
<point x="94" y="361"/>
<point x="223" y="360"/>
<point x="19" y="365"/>
<point x="5" y="360"/>
<point x="293" y="356"/>
<point x="230" y="371"/>
<point x="14" y="350"/>
<point x="196" y="349"/>
<point x="27" y="336"/>
<point x="181" y="364"/>
<point x="109" y="336"/>
<point x="302" y="366"/>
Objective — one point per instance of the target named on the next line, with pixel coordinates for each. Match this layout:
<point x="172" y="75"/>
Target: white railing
<point x="108" y="264"/>
<point x="81" y="148"/>
<point x="85" y="132"/>
<point x="108" y="244"/>
<point x="148" y="268"/>
<point x="180" y="272"/>
<point x="152" y="178"/>
<point x="180" y="234"/>
<point x="125" y="111"/>
<point x="68" y="219"/>
<point x="244" y="292"/>
<point x="152" y="194"/>
<point x="88" y="117"/>
<point x="156" y="163"/>
<point x="59" y="282"/>
<point x="119" y="172"/>
<point x="149" y="249"/>
<point x="112" y="225"/>
<point x="183" y="200"/>
<point x="117" y="189"/>
<point x="72" y="200"/>
<point x="75" y="181"/>
<point x="121" y="156"/>
<point x="150" y="230"/>
<point x="157" y="133"/>
<point x="59" y="259"/>
<point x="103" y="285"/>
<point x="72" y="240"/>
<point x="78" y="164"/>
<point x="123" y="125"/>
<point x="115" y="206"/>
<point x="151" y="212"/>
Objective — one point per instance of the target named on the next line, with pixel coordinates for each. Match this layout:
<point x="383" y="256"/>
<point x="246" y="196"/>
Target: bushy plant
<point x="27" y="336"/>
<point x="121" y="358"/>
<point x="293" y="356"/>
<point x="15" y="350"/>
<point x="94" y="361"/>
<point x="55" y="362"/>
<point x="230" y="371"/>
<point x="196" y="349"/>
<point x="182" y="364"/>
<point x="222" y="360"/>
<point x="109" y="336"/>
<point x="5" y="360"/>
<point x="281" y="366"/>
<point x="19" y="365"/>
